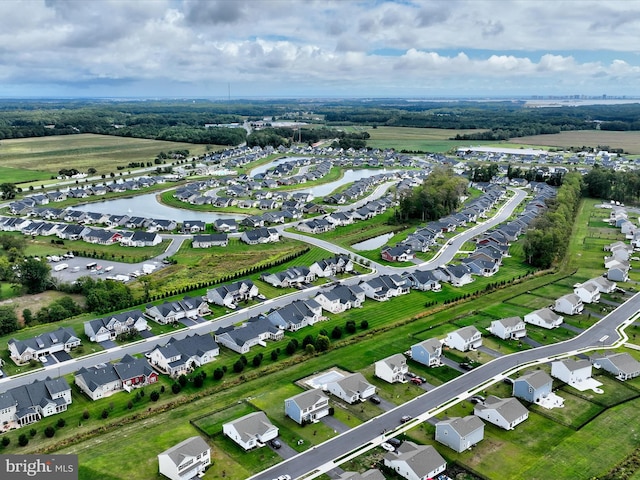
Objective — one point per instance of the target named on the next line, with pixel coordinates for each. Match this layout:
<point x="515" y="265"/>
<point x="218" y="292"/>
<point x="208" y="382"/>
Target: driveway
<point x="335" y="424"/>
<point x="490" y="351"/>
<point x="107" y="344"/>
<point x="61" y="356"/>
<point x="285" y="451"/>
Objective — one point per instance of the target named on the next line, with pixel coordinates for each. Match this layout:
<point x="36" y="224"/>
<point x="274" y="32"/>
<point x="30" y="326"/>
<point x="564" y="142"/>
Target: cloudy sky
<point x="318" y="48"/>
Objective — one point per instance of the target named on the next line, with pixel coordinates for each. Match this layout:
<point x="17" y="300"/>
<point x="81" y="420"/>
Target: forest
<point x="184" y="121"/>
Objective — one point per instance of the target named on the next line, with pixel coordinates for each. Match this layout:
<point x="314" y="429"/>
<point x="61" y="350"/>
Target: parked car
<point x="405" y="418"/>
<point x="467" y="366"/>
<point x="375" y="399"/>
<point x="395" y="442"/>
<point x="477" y="399"/>
<point x="275" y="443"/>
<point x="416" y="380"/>
<point x="387" y="446"/>
<point x="410" y="374"/>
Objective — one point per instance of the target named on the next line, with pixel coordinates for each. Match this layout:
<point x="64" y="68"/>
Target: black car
<point x="394" y="442"/>
<point x="375" y="399"/>
<point x="275" y="443"/>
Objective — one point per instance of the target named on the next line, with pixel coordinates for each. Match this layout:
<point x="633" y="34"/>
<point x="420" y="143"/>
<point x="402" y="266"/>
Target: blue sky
<point x="318" y="48"/>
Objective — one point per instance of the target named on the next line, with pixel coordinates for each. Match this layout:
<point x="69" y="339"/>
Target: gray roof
<point x="536" y="378"/>
<point x="509" y="408"/>
<point x="252" y="425"/>
<point x="353" y="383"/>
<point x="422" y="459"/>
<point x="191" y="447"/>
<point x="464" y="426"/>
<point x="395" y="361"/>
<point x="510" y="321"/>
<point x="624" y="362"/>
<point x="467" y="333"/>
<point x="46" y="340"/>
<point x="309" y="398"/>
<point x="431" y="345"/>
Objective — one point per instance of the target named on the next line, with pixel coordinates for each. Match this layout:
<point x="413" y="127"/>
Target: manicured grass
<point x="22" y="175"/>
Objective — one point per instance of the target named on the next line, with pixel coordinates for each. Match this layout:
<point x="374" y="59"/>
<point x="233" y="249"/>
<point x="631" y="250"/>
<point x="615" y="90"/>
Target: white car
<point x="387" y="446"/>
<point x="283" y="477"/>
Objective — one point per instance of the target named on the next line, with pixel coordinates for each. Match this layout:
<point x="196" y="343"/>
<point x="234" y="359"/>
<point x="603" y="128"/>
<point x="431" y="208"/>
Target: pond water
<point x="148" y="206"/>
<point x="349" y="176"/>
<point x="372" y="243"/>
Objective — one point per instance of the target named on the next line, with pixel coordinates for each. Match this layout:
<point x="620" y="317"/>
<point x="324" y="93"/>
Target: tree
<point x="322" y="343"/>
<point x="155" y="396"/>
<point x="238" y="366"/>
<point x="105" y="413"/>
<point x="23" y="440"/>
<point x="61" y="422"/>
<point x="27" y="316"/>
<point x="336" y="333"/>
<point x="91" y="170"/>
<point x="49" y="432"/>
<point x="310" y="349"/>
<point x="364" y="325"/>
<point x="257" y="360"/>
<point x="274" y="355"/>
<point x="176" y="388"/>
<point x="218" y="373"/>
<point x="350" y="327"/>
<point x="182" y="380"/>
<point x="34" y="275"/>
<point x="198" y="381"/>
<point x="6" y="441"/>
<point x="8" y="320"/>
<point x="7" y="191"/>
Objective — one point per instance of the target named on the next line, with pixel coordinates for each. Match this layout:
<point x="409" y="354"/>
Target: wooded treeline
<point x="185" y="121"/>
<point x="548" y="235"/>
<point x="608" y="184"/>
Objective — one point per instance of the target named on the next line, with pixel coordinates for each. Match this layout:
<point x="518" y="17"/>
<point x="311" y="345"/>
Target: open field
<point x="102" y="152"/>
<point x="628" y="141"/>
<point x="416" y="139"/>
<point x="21" y="175"/>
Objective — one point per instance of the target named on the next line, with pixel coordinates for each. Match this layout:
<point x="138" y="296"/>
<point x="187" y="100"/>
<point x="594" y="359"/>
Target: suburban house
<point x="533" y="386"/>
<point x="572" y="372"/>
<point x="226" y="225"/>
<point x="460" y="433"/>
<point x="544" y="318"/>
<point x="210" y="240"/>
<point x="290" y="277"/>
<point x="108" y="328"/>
<point x="511" y="328"/>
<point x="506" y="413"/>
<point x="618" y="271"/>
<point x="352" y="388"/>
<point x="182" y="356"/>
<point x="233" y="293"/>
<point x="37" y="348"/>
<point x="392" y="369"/>
<point x="330" y="267"/>
<point x="307" y="407"/>
<point x="569" y="304"/>
<point x="172" y="312"/>
<point x="588" y="292"/>
<point x="341" y="298"/>
<point x="604" y="285"/>
<point x="397" y="254"/>
<point x="142" y="239"/>
<point x="296" y="315"/>
<point x="423" y="280"/>
<point x="457" y="275"/>
<point x="193" y="226"/>
<point x="371" y="474"/>
<point x="315" y="225"/>
<point x="463" y="339"/>
<point x="622" y="365"/>
<point x="427" y="352"/>
<point x="26" y="404"/>
<point x="260" y="235"/>
<point x="105" y="379"/>
<point x="384" y="287"/>
<point x="251" y="431"/>
<point x="415" y="462"/>
<point x="254" y="332"/>
<point x="186" y="460"/>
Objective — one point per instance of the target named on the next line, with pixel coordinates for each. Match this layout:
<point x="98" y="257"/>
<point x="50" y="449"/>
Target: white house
<point x="352" y="388"/>
<point x="588" y="292"/>
<point x="573" y="372"/>
<point x="415" y="462"/>
<point x="511" y="328"/>
<point x="569" y="304"/>
<point x="463" y="339"/>
<point x="307" y="407"/>
<point x="251" y="431"/>
<point x="186" y="460"/>
<point x="392" y="369"/>
<point x="506" y="413"/>
<point x="544" y="318"/>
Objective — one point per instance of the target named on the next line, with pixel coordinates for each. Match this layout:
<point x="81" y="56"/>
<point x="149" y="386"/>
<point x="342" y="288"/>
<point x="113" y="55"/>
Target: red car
<point x="416" y="380"/>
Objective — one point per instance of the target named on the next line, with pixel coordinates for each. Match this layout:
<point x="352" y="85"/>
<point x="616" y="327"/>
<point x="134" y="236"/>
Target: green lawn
<point x="22" y="175"/>
<point x="416" y="139"/>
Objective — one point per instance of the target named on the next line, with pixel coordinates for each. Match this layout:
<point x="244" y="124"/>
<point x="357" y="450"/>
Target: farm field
<point x="21" y="175"/>
<point x="102" y="152"/>
<point x="416" y="139"/>
<point x="628" y="141"/>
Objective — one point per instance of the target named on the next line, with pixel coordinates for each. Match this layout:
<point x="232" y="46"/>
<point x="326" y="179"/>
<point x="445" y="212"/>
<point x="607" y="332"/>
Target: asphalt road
<point x="323" y="456"/>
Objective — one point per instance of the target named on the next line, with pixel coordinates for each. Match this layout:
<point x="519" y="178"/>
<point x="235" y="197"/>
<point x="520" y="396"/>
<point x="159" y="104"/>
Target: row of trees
<point x="608" y="184"/>
<point x="548" y="235"/>
<point x="437" y="197"/>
